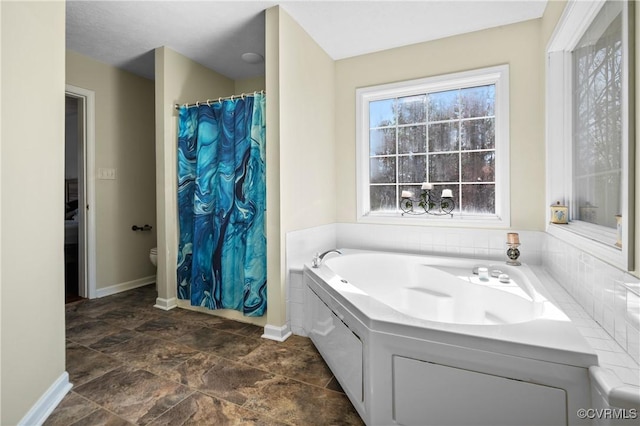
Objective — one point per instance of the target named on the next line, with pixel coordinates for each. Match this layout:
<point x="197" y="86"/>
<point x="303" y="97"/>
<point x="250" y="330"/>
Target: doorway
<point x="79" y="248"/>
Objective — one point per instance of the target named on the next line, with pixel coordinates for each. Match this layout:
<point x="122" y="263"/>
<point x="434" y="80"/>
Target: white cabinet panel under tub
<point x="428" y="393"/>
<point x="339" y="346"/>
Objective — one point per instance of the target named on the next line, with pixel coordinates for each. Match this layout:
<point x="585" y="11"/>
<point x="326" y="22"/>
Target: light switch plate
<point x="106" y="173"/>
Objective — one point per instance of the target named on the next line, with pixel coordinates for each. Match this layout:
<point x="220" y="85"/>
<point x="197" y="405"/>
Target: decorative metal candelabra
<point x="427" y="202"/>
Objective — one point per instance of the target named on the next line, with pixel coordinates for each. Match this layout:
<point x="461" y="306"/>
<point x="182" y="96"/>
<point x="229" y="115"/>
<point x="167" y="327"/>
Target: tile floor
<point x="131" y="363"/>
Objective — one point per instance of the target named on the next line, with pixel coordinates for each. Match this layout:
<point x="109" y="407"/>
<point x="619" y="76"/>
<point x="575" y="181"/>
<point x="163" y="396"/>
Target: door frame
<point x="88" y="233"/>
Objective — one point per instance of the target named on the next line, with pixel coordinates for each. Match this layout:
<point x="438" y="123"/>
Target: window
<point x="450" y="131"/>
<point x="597" y="119"/>
<point x="589" y="99"/>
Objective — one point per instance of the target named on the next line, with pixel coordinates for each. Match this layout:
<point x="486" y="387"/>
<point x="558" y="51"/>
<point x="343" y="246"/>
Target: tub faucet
<point x="317" y="259"/>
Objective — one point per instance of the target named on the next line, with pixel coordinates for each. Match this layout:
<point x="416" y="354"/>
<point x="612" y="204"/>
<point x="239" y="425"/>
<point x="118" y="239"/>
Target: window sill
<point x="427" y="220"/>
<point x="587" y="237"/>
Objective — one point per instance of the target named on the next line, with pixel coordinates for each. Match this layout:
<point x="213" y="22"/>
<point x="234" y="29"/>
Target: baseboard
<point x="277" y="333"/>
<point x="166" y="304"/>
<point x="47" y="402"/>
<point x="129" y="285"/>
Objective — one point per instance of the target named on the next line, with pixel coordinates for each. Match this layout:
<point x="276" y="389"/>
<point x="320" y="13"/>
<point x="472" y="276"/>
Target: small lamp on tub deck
<point x="513" y="242"/>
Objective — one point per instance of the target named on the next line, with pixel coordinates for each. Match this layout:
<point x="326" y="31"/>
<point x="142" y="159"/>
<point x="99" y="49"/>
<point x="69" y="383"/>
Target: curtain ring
<point x="208" y="103"/>
<point x="219" y="99"/>
<point x="231" y="97"/>
<point x="198" y="104"/>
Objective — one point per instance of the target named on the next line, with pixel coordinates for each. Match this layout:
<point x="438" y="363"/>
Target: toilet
<point x="153" y="256"/>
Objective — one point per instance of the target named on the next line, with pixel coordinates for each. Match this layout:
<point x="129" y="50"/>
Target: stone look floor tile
<point x="135" y="364"/>
<point x="334" y="385"/>
<point x="220" y="343"/>
<point x="231" y="381"/>
<point x="248" y="330"/>
<point x="302" y="404"/>
<point x="305" y="366"/>
<point x="128" y="317"/>
<point x="114" y="339"/>
<point x="168" y="328"/>
<point x="102" y="417"/>
<point x="300" y="343"/>
<point x="71" y="409"/>
<point x="91" y="331"/>
<point x="84" y="364"/>
<point x="199" y="409"/>
<point x="152" y="354"/>
<point x="195" y="318"/>
<point x="138" y="396"/>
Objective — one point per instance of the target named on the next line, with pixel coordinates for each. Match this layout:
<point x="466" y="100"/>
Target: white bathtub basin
<point x="443" y="292"/>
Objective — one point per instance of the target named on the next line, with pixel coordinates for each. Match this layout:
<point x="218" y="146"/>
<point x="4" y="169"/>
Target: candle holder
<point x="428" y="202"/>
<point x="513" y="254"/>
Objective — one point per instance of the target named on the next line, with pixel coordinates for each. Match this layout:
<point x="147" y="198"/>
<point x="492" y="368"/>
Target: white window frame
<point x="498" y="75"/>
<point x="575" y="20"/>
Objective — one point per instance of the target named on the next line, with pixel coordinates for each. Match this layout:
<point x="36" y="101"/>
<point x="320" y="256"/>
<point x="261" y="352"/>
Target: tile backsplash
<point x="609" y="295"/>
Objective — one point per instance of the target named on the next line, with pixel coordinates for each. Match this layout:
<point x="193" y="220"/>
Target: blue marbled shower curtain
<point x="222" y="257"/>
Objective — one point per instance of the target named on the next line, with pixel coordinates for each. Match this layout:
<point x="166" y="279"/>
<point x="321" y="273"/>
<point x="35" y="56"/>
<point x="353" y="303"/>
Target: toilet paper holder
<point x="141" y="228"/>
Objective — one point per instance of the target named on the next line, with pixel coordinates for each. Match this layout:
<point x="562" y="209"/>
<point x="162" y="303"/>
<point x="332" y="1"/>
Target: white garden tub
<point x="423" y="340"/>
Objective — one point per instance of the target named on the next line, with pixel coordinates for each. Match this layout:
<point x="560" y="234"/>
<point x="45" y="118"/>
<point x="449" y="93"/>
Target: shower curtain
<point x="222" y="257"/>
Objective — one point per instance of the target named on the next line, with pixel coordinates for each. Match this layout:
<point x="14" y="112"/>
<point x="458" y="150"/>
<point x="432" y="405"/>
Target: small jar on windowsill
<point x="559" y="214"/>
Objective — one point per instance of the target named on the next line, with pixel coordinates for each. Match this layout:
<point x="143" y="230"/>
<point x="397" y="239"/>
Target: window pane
<point x="382" y="141"/>
<point x="383" y="197"/>
<point x="382" y="113"/>
<point x="443" y="168"/>
<point x="478" y="101"/>
<point x="597" y="99"/>
<point x="412" y="168"/>
<point x="412" y="139"/>
<point x="478" y="134"/>
<point x="382" y="170"/>
<point x="478" y="166"/>
<point x="443" y="137"/>
<point x="412" y="109"/>
<point x="598" y="198"/>
<point x="443" y="105"/>
<point x="478" y="199"/>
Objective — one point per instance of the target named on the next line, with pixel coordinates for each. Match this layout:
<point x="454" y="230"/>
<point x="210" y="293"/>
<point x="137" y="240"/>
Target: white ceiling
<point x="216" y="33"/>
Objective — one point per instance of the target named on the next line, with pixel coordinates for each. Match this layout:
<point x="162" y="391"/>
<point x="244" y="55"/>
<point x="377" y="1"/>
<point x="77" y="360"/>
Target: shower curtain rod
<point x="213" y="101"/>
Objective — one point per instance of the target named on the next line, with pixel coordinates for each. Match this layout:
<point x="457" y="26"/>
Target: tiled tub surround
<point x="603" y="300"/>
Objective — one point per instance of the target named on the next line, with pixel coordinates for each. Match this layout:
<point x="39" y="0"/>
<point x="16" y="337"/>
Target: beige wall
<point x="517" y="45"/>
<point x="249" y="85"/>
<point x="125" y="141"/>
<point x="300" y="143"/>
<point x="32" y="200"/>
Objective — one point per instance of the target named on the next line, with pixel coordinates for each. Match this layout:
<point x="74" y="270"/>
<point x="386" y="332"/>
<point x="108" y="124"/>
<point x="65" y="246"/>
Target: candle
<point x="407" y="194"/>
<point x="513" y="238"/>
<point x="427" y="185"/>
<point x="447" y="193"/>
